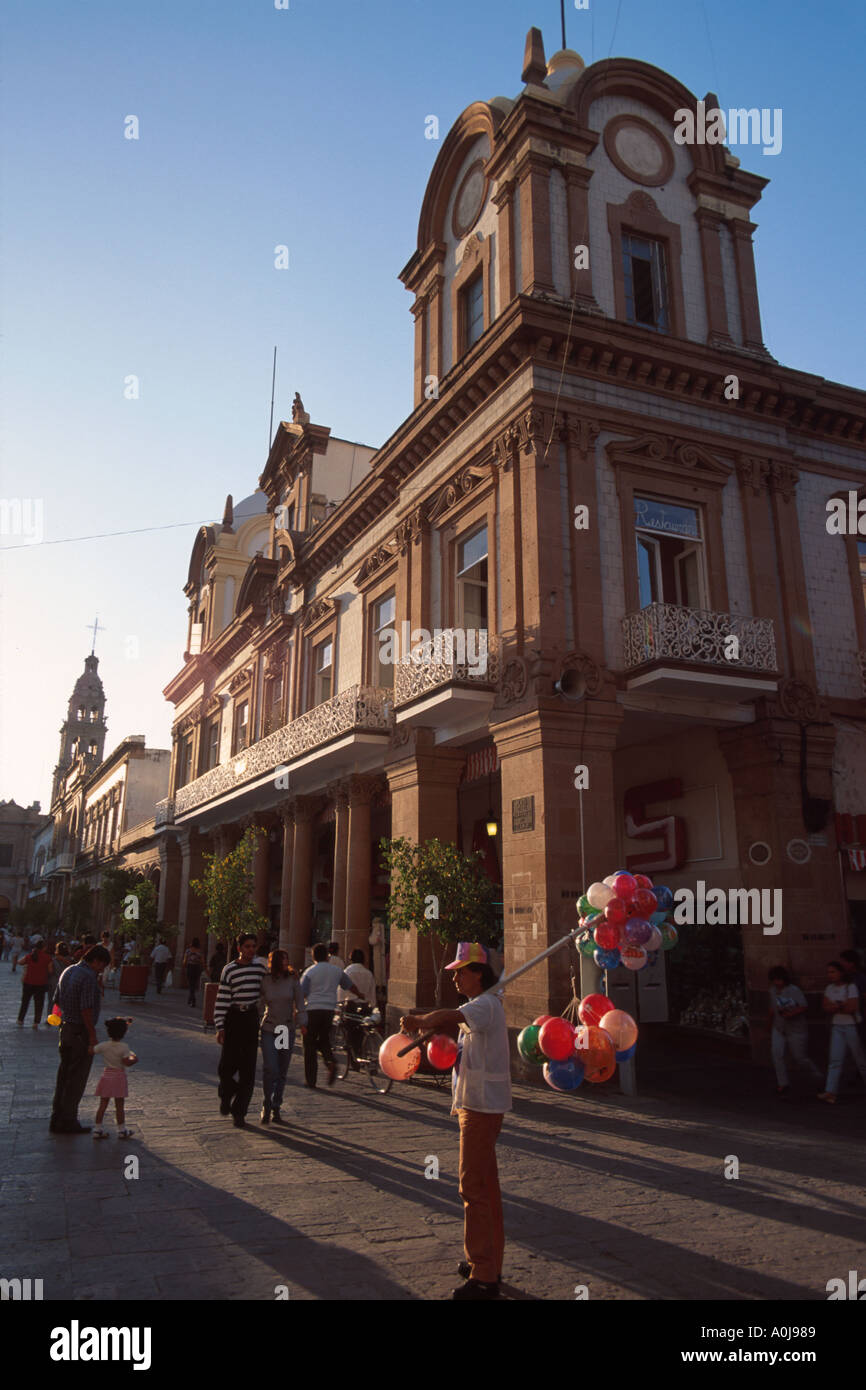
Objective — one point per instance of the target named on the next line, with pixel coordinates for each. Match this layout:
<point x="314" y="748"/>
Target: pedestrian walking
<point x="80" y="1002"/>
<point x="37" y="966"/>
<point x="112" y="1084"/>
<point x="236" y="1018"/>
<point x="790" y="1032"/>
<point x="481" y="1096"/>
<point x="842" y="1001"/>
<point x="284" y="1012"/>
<point x="319" y="985"/>
<point x="5" y="943"/>
<point x="17" y="948"/>
<point x="160" y="958"/>
<point x="193" y="964"/>
<point x="365" y="982"/>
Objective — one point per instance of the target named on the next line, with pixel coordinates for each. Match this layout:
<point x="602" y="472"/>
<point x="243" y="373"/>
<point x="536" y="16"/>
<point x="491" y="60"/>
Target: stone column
<point x="304" y="810"/>
<point x="577" y="193"/>
<point x="504" y="200"/>
<point x="286" y="885"/>
<point x="361" y="791"/>
<point x="170" y="867"/>
<point x="191" y="906"/>
<point x="710" y="227"/>
<point x="261" y="871"/>
<point x="340" y="793"/>
<point x="423" y="807"/>
<point x="744" y="255"/>
<point x="536" y="258"/>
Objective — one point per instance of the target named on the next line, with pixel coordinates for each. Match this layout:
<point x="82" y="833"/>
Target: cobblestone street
<point x="625" y="1196"/>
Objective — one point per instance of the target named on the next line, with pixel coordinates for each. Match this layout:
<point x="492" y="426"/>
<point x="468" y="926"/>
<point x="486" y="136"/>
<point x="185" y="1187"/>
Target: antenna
<point x="273" y="383"/>
<point x="562" y="13"/>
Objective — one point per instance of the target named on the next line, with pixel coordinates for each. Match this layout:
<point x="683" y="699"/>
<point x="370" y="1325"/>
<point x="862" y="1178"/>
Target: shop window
<point x="646" y="295"/>
<point x="472" y="581"/>
<point x="670" y="553"/>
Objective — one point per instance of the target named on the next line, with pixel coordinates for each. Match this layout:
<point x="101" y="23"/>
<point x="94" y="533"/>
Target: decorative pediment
<point x="472" y="253"/>
<point x="452" y="492"/>
<point x="256" y="585"/>
<point x="667" y="451"/>
<point x="319" y="610"/>
<point x="381" y="556"/>
<point x="239" y="680"/>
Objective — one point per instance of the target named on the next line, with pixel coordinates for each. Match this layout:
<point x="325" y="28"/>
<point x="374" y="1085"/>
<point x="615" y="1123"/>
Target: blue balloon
<point x="664" y="898"/>
<point x="606" y="960"/>
<point x="629" y="1051"/>
<point x="564" y="1076"/>
<point x="651" y="958"/>
<point x="658" y="918"/>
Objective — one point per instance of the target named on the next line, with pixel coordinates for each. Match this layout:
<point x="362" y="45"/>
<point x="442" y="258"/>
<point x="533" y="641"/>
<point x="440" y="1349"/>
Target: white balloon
<point x="599" y="894"/>
<point x="655" y="941"/>
<point x="633" y="957"/>
<point x="609" y="880"/>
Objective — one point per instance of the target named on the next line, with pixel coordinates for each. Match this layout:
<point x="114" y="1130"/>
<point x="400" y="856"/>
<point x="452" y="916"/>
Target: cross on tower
<point x="96" y="628"/>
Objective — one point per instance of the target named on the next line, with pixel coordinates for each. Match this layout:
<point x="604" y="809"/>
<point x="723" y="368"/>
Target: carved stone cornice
<point x="239" y="680"/>
<point x="783" y="479"/>
<point x="459" y="487"/>
<point x="768" y="475"/>
<point x="318" y="611"/>
<point x="275" y="659"/>
<point x="585" y="667"/>
<point x="799" y="700"/>
<point x="669" y="452"/>
<point x="753" y="472"/>
<point x="514" y="682"/>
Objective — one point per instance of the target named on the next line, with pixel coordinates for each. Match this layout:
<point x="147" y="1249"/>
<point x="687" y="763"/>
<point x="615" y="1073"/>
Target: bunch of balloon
<point x="625" y="921"/>
<point x="548" y="1043"/>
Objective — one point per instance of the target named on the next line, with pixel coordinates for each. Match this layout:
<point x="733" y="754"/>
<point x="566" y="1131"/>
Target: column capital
<point x="305" y="808"/>
<point x="361" y="790"/>
<point x="339" y="793"/>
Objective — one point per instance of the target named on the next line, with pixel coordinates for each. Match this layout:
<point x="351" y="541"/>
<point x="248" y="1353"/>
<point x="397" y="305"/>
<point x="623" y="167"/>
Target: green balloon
<point x="670" y="936"/>
<point x="587" y="948"/>
<point x="527" y="1046"/>
<point x="584" y="906"/>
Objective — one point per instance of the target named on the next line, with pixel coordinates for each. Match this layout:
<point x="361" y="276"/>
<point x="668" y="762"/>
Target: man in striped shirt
<point x="236" y="1019"/>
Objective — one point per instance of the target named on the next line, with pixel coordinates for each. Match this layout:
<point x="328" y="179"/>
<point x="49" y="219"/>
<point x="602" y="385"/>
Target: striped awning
<point x="482" y="763"/>
<point x="857" y="858"/>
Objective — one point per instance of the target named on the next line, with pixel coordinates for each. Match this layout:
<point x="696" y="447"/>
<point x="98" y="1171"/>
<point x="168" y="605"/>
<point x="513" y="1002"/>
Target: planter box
<point x="133" y="981"/>
<point x="208" y="1003"/>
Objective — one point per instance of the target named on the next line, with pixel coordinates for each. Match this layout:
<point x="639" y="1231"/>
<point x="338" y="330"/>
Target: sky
<point x="153" y="259"/>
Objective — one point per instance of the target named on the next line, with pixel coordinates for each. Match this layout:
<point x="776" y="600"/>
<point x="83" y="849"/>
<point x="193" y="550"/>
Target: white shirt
<point x="838" y="994"/>
<point x="336" y="960"/>
<point x="362" y="979"/>
<point x="482" y="1080"/>
<point x="112" y="1052"/>
<point x="160" y="954"/>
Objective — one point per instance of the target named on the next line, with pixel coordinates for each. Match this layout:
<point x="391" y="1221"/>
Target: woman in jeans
<point x="193" y="964"/>
<point x="284" y="1011"/>
<point x="842" y="1001"/>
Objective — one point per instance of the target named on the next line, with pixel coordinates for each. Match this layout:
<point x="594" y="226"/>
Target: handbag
<point x="168" y="980"/>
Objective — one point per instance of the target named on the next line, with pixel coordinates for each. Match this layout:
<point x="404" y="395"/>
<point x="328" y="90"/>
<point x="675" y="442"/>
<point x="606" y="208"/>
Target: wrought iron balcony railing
<point x="665" y="630"/>
<point x="360" y="707"/>
<point x="448" y="658"/>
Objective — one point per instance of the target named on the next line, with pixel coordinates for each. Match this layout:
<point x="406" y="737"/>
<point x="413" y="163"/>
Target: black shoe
<point x="277" y="1117"/>
<point x="266" y="1115"/>
<point x="464" y="1269"/>
<point x="239" y="1122"/>
<point x="225" y="1109"/>
<point x="310" y="1085"/>
<point x="332" y="1073"/>
<point x="474" y="1289"/>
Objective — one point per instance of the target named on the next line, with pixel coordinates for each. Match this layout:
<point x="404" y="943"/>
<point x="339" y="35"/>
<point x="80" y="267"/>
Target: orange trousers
<point x="483" y="1231"/>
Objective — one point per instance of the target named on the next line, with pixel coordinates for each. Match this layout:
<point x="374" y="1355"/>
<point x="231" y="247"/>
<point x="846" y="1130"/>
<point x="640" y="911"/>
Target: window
<point x="472" y="299"/>
<point x="323" y="672"/>
<point x="240" y="737"/>
<point x="472" y="581"/>
<point x="81" y="712"/>
<point x="210" y="744"/>
<point x="94" y="715"/>
<point x="670" y="559"/>
<point x="5" y="856"/>
<point x="646" y="298"/>
<point x="91" y="748"/>
<point x="274" y="716"/>
<point x="384" y="613"/>
<point x="184" y="761"/>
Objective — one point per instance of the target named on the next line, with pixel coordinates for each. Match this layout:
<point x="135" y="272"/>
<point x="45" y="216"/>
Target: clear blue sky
<point x="302" y="127"/>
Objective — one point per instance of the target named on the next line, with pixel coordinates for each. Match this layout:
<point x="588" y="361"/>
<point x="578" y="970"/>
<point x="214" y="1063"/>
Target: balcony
<point x="669" y="650"/>
<point x="324" y="734"/>
<point x="59" y="864"/>
<point x="445" y="682"/>
<point x="164" y="812"/>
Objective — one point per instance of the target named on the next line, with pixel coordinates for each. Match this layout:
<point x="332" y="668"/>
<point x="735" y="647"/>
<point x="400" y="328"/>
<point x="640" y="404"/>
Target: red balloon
<point x="541" y="1020"/>
<point x="645" y="903"/>
<point x="442" y="1052"/>
<point x="608" y="936"/>
<point x="642" y="881"/>
<point x="624" y="885"/>
<point x="556" y="1039"/>
<point x="593" y="1007"/>
<point x="616" y="911"/>
<point x="596" y="1051"/>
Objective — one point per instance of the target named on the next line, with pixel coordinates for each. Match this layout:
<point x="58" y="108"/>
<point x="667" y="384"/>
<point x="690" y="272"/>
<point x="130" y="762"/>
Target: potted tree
<point x="134" y="899"/>
<point x="227" y="888"/>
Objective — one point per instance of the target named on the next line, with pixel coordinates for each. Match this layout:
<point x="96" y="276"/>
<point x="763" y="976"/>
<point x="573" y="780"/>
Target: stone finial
<point x="228" y="514"/>
<point x="299" y="415"/>
<point x="534" y="63"/>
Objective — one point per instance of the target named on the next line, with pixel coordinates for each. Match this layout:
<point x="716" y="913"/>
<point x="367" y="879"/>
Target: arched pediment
<point x="481" y="118"/>
<point x="644" y="83"/>
<point x="202" y="544"/>
<point x="257" y="584"/>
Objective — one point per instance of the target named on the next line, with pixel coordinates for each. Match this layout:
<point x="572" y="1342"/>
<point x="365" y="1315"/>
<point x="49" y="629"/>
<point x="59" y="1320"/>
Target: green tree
<point x="79" y="909"/>
<point x="133" y="900"/>
<point x="444" y="894"/>
<point x="227" y="888"/>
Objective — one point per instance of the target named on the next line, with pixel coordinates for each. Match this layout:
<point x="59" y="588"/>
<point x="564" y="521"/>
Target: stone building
<point x="610" y="484"/>
<point x="19" y="831"/>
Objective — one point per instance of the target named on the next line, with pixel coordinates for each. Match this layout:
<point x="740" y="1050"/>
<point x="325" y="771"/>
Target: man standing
<point x="236" y="1019"/>
<point x="80" y="999"/>
<point x="319" y="987"/>
<point x="161" y="958"/>
<point x="334" y="957"/>
<point x="481" y="1088"/>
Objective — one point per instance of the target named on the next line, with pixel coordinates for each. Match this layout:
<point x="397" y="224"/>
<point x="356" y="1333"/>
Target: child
<point x="116" y="1055"/>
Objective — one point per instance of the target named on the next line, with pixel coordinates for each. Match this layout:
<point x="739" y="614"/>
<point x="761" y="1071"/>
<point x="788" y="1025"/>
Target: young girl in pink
<point x="112" y="1084"/>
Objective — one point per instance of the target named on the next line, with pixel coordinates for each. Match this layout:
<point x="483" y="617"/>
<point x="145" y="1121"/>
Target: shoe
<point x="99" y="1132"/>
<point x="474" y="1289"/>
<point x="266" y="1115"/>
<point x="239" y="1122"/>
<point x="332" y="1073"/>
<point x="225" y="1109"/>
<point x="277" y="1117"/>
<point x="21" y="1023"/>
<point x="828" y="1097"/>
<point x="310" y="1085"/>
<point x="464" y="1269"/>
<point x="124" y="1133"/>
<point x="34" y="1025"/>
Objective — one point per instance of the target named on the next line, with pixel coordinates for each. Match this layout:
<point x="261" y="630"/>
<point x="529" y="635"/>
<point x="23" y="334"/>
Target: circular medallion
<point x="470" y="199"/>
<point x="798" y="851"/>
<point x="760" y="852"/>
<point x="639" y="150"/>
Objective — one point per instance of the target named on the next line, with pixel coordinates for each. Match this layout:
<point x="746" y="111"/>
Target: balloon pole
<point x="500" y="984"/>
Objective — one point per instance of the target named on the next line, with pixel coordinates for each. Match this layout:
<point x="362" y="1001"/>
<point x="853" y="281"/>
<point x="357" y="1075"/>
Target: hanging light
<point x="492" y="826"/>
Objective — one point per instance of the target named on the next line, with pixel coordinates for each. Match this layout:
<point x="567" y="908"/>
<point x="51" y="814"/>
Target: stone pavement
<point x="625" y="1196"/>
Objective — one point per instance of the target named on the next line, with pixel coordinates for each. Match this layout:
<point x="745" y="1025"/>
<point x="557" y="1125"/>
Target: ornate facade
<point x="606" y="473"/>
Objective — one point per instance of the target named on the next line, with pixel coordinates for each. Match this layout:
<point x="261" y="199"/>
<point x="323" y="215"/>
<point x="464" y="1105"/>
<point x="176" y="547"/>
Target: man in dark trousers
<point x="80" y="998"/>
<point x="319" y="987"/>
<point x="236" y="1019"/>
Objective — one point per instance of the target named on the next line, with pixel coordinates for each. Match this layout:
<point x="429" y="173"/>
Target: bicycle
<point x="347" y="1055"/>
